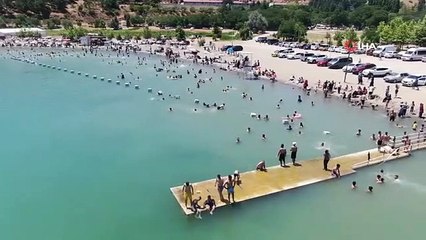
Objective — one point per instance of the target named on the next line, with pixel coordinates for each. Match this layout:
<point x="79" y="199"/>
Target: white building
<point x="8" y="32"/>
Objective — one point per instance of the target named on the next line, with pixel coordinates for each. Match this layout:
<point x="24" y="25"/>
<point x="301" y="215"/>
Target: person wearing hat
<point x="293" y="154"/>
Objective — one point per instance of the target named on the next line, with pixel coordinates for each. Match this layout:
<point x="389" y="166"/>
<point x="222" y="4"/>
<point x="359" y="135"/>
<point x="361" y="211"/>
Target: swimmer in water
<point x="289" y="127"/>
<point x="170" y="109"/>
<point x="249" y="130"/>
<point x="301" y="125"/>
<point x="370" y="189"/>
<point x="322" y="144"/>
<point x="312" y="103"/>
<point x="373" y="137"/>
<point x="278" y="106"/>
<point x="238" y="140"/>
<point x="358" y="133"/>
<point x="299" y="98"/>
<point x="263" y="137"/>
<point x="353" y="186"/>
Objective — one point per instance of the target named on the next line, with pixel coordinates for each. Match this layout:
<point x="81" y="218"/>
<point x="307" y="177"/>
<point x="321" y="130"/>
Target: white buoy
<point x="102" y="78"/>
<point x="65" y="69"/>
<point x="136" y="86"/>
<point x="72" y="71"/>
<point x="86" y="74"/>
<point x="59" y="68"/>
<point x="48" y="66"/>
<point x="94" y="76"/>
<point x="253" y="114"/>
<point x="126" y="84"/>
<point x="160" y="93"/>
<point x="196" y="101"/>
<point x="117" y="82"/>
<point x="150" y="90"/>
<point x="109" y="80"/>
<point x="53" y="67"/>
<point x="78" y="73"/>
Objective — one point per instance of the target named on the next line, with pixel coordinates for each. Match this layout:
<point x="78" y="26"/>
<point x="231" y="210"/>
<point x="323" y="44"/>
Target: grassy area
<point x="319" y="35"/>
<point x="137" y="32"/>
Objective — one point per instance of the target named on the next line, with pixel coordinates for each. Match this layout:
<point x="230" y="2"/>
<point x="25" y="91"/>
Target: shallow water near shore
<point x="81" y="158"/>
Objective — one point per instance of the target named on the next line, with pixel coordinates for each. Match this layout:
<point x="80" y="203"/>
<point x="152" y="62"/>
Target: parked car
<point x="276" y="52"/>
<point x="410" y="79"/>
<point x="305" y="56"/>
<point x="424" y="59"/>
<point x="399" y="54"/>
<point x="377" y="71"/>
<point x="285" y="53"/>
<point x="390" y="54"/>
<point x="323" y="62"/>
<point x="294" y="55"/>
<point x="381" y="50"/>
<point x="339" y="62"/>
<point x="261" y="39"/>
<point x="237" y="48"/>
<point x="362" y="67"/>
<point x="331" y="49"/>
<point x="315" y="58"/>
<point x="272" y="41"/>
<point x="348" y="68"/>
<point x="225" y="47"/>
<point x="395" y="77"/>
<point x="360" y="51"/>
<point x="414" y="54"/>
<point x="369" y="52"/>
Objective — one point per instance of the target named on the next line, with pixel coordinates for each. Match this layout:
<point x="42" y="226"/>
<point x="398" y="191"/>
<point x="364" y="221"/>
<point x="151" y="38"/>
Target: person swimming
<point x="299" y="99"/>
<point x="358" y="133"/>
<point x="238" y="140"/>
<point x="353" y="186"/>
<point x="301" y="125"/>
<point x="289" y="127"/>
<point x="263" y="137"/>
<point x="249" y="130"/>
<point x="370" y="189"/>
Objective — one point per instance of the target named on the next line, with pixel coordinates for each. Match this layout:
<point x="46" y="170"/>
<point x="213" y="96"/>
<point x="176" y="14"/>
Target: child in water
<point x="353" y="186"/>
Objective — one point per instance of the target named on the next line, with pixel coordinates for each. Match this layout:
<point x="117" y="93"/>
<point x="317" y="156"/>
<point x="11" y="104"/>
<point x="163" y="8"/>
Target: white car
<point x="348" y="68"/>
<point x="314" y="59"/>
<point x="343" y="51"/>
<point x="294" y="55"/>
<point x="390" y="54"/>
<point x="285" y="53"/>
<point x="377" y="71"/>
<point x="409" y="81"/>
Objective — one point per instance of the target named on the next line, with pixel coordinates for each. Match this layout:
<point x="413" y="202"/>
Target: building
<point x="244" y="2"/>
<point x="92" y="40"/>
<point x="10" y="32"/>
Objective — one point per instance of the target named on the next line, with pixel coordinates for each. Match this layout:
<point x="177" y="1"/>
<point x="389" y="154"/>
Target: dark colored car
<point x="237" y="48"/>
<point x="370" y="51"/>
<point x="362" y="67"/>
<point x="339" y="63"/>
<point x="272" y="41"/>
<point x="225" y="47"/>
<point x="323" y="62"/>
<point x="261" y="39"/>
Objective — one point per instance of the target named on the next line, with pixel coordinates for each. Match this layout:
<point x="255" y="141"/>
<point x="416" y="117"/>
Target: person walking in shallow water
<point x="326" y="159"/>
<point x="282" y="152"/>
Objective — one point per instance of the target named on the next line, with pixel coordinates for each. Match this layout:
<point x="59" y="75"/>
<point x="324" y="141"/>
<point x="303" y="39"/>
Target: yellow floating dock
<point x="256" y="184"/>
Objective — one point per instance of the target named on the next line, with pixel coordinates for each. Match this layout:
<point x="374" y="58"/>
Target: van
<point x="414" y="54"/>
<point x="340" y="62"/>
<point x="380" y="50"/>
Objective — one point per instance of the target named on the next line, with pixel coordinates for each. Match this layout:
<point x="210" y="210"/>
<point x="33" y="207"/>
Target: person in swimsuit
<point x="210" y="202"/>
<point x="261" y="166"/>
<point x="196" y="208"/>
<point x="282" y="152"/>
<point x="230" y="187"/>
<point x="219" y="185"/>
<point x="293" y="154"/>
<point x="336" y="171"/>
<point x="188" y="191"/>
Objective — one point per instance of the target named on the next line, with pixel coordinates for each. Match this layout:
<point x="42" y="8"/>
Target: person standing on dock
<point x="326" y="159"/>
<point x="219" y="185"/>
<point x="293" y="154"/>
<point x="282" y="153"/>
<point x="230" y="187"/>
<point x="188" y="191"/>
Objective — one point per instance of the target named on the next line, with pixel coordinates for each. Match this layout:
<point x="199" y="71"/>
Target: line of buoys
<point x="117" y="82"/>
<point x="102" y="78"/>
<point x="150" y="90"/>
<point x="136" y="86"/>
<point x="109" y="80"/>
<point x="126" y="84"/>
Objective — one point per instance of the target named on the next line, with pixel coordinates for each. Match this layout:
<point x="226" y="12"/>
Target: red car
<point x="323" y="62"/>
<point x="362" y="67"/>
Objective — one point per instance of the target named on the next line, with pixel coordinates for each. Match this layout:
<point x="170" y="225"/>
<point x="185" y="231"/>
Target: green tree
<point x="99" y="23"/>
<point x="338" y="37"/>
<point x="245" y="32"/>
<point x="217" y="32"/>
<point x="127" y="18"/>
<point x="257" y="22"/>
<point x="109" y="5"/>
<point x="146" y="33"/>
<point x="114" y="24"/>
<point x="180" y="34"/>
<point x="420" y="32"/>
<point x="66" y="24"/>
<point x="370" y="35"/>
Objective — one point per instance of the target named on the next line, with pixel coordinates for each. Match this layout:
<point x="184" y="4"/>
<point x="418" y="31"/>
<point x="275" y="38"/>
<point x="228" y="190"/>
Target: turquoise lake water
<point x="86" y="159"/>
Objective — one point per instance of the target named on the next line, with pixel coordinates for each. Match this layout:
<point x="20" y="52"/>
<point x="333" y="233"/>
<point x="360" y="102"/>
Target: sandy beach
<point x="285" y="69"/>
